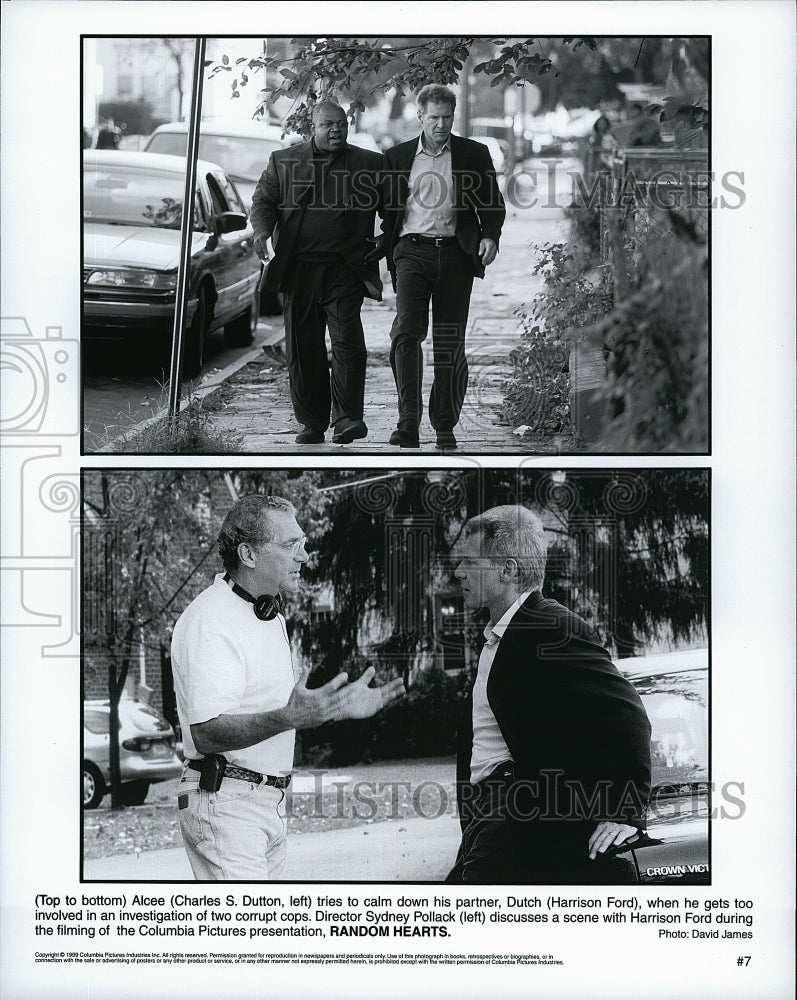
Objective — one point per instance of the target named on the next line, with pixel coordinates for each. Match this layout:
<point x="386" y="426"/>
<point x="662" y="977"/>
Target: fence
<point x="653" y="196"/>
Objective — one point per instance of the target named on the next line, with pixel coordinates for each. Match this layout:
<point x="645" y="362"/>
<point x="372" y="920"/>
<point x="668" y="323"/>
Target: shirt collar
<point x="420" y="149"/>
<point x="319" y="154"/>
<point x="492" y="633"/>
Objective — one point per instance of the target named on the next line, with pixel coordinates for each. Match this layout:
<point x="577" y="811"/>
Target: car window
<point x="216" y="196"/>
<point x="95" y="721"/>
<point x="233" y="199"/>
<point x="135" y="196"/>
<point x="244" y="157"/>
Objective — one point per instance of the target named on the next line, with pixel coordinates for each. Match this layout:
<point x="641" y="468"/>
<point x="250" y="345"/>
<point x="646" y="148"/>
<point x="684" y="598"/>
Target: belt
<point x="232" y="771"/>
<point x="438" y="241"/>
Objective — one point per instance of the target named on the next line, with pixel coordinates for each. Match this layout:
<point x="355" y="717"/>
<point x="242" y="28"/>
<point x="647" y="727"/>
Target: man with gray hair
<point x="442" y="219"/>
<point x="240" y="700"/>
<point x="313" y="214"/>
<point x="554" y="759"/>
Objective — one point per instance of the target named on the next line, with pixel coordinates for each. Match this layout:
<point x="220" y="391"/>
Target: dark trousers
<point x="319" y="296"/>
<point x="499" y="848"/>
<point x="444" y="276"/>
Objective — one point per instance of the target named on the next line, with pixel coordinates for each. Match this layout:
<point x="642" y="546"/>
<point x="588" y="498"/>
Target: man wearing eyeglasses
<point x="313" y="213"/>
<point x="240" y="700"/>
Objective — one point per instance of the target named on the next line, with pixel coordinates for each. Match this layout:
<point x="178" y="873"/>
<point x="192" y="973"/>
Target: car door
<point x="237" y="270"/>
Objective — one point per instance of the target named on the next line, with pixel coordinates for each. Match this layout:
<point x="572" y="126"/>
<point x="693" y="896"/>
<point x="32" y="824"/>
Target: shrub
<point x="422" y="724"/>
<point x="658" y="360"/>
<point x="537" y="394"/>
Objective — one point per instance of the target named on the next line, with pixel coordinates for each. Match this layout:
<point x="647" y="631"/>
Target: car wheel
<point x="194" y="348"/>
<point x="93" y="785"/>
<point x="241" y="331"/>
<point x="133" y="793"/>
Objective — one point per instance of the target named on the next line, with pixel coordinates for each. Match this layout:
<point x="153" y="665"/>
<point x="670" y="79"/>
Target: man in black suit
<point x="313" y="214"/>
<point x="554" y="762"/>
<point x="442" y="219"/>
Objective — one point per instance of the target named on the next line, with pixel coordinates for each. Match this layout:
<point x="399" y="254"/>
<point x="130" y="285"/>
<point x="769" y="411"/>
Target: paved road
<point x="402" y="850"/>
<point x="122" y="387"/>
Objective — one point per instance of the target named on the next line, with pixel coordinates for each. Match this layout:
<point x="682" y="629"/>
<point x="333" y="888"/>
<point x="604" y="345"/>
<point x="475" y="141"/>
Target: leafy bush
<point x="658" y="362"/>
<point x="422" y="724"/>
<point x="537" y="394"/>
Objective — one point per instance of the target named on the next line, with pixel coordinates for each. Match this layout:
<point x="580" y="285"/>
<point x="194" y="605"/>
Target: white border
<point x="753" y="481"/>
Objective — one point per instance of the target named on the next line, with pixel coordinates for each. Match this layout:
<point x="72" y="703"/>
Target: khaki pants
<point x="234" y="834"/>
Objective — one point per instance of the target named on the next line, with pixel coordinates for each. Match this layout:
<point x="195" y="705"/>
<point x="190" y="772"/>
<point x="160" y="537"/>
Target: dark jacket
<point x="575" y="727"/>
<point x="478" y="205"/>
<point x="280" y="201"/>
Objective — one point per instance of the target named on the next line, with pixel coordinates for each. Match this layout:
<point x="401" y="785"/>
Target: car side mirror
<point x="229" y="222"/>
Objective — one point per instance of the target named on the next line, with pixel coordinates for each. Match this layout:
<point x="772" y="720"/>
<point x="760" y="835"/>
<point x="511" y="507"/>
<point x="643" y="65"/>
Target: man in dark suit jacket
<point x="442" y="219"/>
<point x="554" y="762"/>
<point x="313" y="214"/>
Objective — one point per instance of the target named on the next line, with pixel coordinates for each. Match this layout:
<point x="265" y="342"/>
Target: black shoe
<point x="405" y="439"/>
<point x="446" y="441"/>
<point x="309" y="435"/>
<point x="348" y="430"/>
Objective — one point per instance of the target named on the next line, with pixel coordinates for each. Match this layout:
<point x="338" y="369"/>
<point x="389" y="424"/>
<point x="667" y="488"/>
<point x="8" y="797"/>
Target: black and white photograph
<point x="546" y="199"/>
<point x="476" y="677"/>
<point x="397" y="549"/>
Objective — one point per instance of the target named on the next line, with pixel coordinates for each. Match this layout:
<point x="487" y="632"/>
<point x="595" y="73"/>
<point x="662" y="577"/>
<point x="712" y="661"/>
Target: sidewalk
<point x="254" y="400"/>
<point x="401" y="850"/>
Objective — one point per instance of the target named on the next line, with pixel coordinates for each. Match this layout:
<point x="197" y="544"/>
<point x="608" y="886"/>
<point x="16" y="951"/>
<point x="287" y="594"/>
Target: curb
<point x="204" y="392"/>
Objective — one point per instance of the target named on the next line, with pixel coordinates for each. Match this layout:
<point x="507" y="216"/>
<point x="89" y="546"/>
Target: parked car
<point x="146" y="751"/>
<point x="241" y="149"/>
<point x="132" y="210"/>
<point x="674" y="691"/>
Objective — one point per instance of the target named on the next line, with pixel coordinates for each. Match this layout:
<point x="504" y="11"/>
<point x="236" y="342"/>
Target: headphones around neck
<point x="266" y="607"/>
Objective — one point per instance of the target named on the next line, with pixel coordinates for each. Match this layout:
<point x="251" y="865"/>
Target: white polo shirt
<point x="489" y="747"/>
<point x="225" y="661"/>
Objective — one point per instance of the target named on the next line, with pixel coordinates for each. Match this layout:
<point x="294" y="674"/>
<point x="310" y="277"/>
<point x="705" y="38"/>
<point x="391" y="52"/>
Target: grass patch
<point x="153" y="826"/>
<point x="192" y="432"/>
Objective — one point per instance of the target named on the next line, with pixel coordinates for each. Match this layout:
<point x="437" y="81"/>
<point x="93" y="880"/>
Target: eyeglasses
<point x="294" y="545"/>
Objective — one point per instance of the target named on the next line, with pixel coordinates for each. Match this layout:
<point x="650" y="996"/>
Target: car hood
<point x="135" y="246"/>
<point x="682" y="853"/>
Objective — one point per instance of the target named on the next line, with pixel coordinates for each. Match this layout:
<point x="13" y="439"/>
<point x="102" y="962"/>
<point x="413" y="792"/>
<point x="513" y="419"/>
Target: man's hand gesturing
<point x="359" y="701"/>
<point x="339" y="700"/>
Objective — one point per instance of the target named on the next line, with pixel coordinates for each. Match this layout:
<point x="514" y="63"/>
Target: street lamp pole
<point x="186" y="227"/>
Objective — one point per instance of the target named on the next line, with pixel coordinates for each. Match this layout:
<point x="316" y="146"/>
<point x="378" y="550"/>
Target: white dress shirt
<point x="430" y="202"/>
<point x="489" y="747"/>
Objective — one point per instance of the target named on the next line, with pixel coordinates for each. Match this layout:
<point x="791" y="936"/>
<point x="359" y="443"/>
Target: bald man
<point x="313" y="214"/>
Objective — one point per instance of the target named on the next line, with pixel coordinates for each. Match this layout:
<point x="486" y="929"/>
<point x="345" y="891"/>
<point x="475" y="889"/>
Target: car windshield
<point x="243" y="157"/>
<point x="134" y="196"/>
<point x="144" y="717"/>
